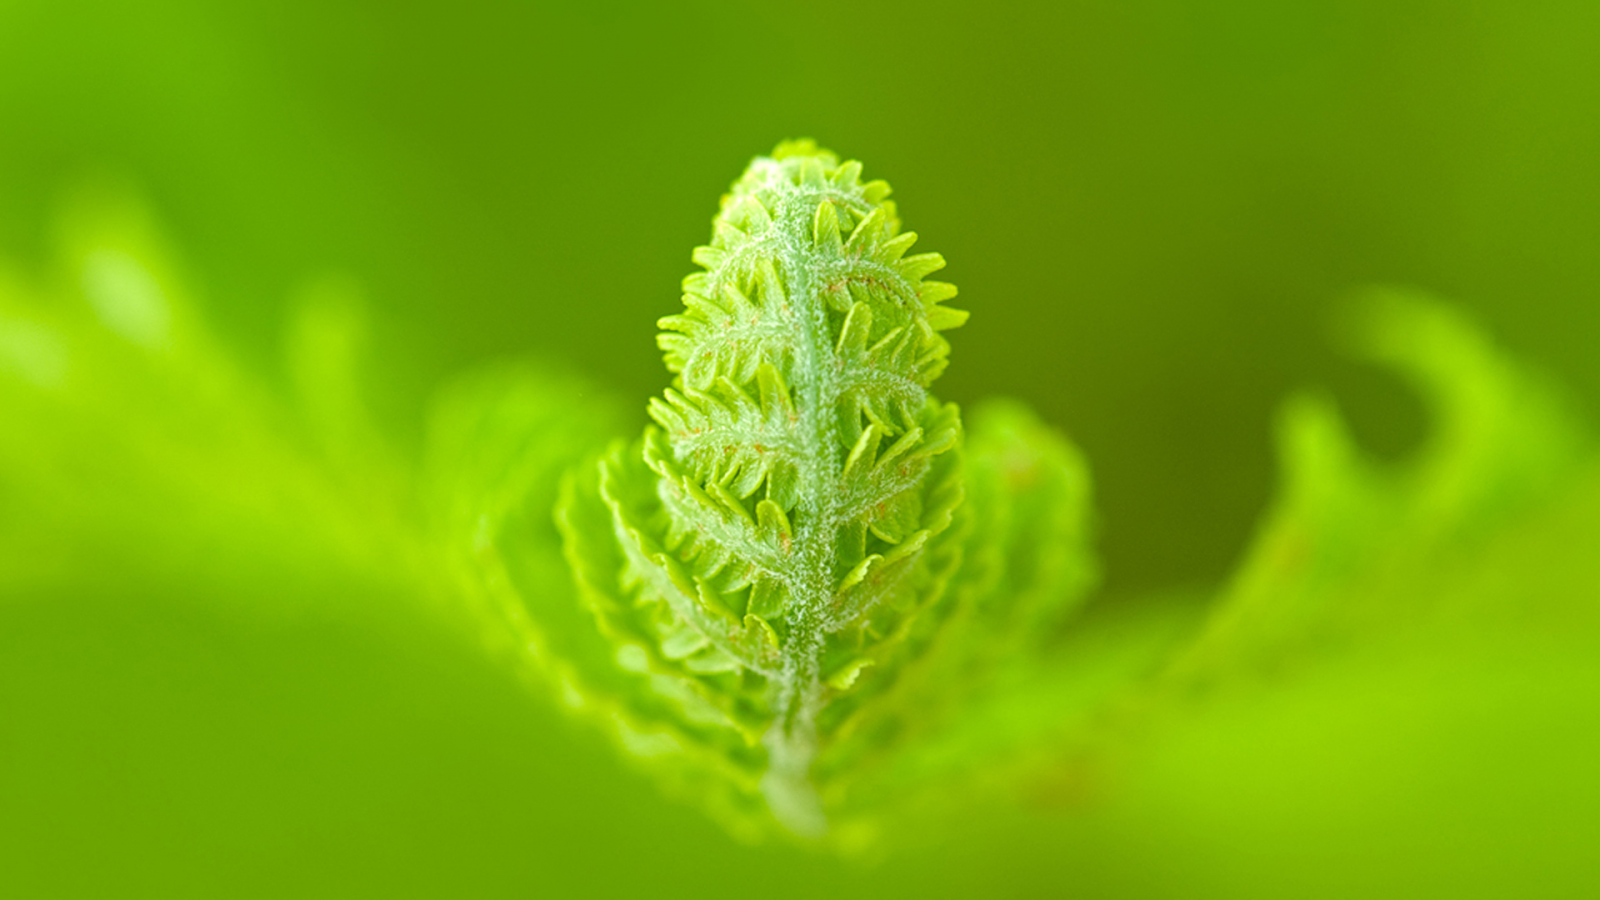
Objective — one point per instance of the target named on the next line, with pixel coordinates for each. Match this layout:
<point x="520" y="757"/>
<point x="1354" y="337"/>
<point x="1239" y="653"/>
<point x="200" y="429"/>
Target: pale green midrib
<point x="792" y="743"/>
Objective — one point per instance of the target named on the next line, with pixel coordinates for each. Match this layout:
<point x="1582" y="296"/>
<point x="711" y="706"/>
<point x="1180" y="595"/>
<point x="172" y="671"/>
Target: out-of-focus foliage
<point x="1355" y="547"/>
<point x="133" y="440"/>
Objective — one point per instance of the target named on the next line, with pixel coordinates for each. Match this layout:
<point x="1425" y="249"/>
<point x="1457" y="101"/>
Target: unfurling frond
<point x="780" y="546"/>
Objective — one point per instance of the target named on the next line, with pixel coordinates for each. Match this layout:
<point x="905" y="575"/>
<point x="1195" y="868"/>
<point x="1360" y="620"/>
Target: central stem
<point x="792" y="740"/>
<point x="791" y="745"/>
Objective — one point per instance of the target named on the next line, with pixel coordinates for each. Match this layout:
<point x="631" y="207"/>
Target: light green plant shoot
<point x="774" y="565"/>
<point x="788" y="535"/>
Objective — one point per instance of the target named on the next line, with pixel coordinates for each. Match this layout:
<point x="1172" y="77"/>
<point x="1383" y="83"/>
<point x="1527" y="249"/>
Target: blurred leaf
<point x="1355" y="548"/>
<point x="133" y="439"/>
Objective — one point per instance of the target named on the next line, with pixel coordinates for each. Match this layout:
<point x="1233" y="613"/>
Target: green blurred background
<point x="1150" y="208"/>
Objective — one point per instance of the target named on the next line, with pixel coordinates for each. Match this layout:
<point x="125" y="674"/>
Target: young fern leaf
<point x="788" y="517"/>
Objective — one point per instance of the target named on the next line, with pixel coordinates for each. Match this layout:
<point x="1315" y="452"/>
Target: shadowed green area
<point x="241" y="480"/>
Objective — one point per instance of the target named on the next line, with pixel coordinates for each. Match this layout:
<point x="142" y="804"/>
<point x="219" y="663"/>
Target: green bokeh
<point x="1151" y="210"/>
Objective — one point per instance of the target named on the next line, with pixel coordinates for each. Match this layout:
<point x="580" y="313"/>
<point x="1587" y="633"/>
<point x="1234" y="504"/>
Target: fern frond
<point x="769" y="582"/>
<point x="786" y="521"/>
